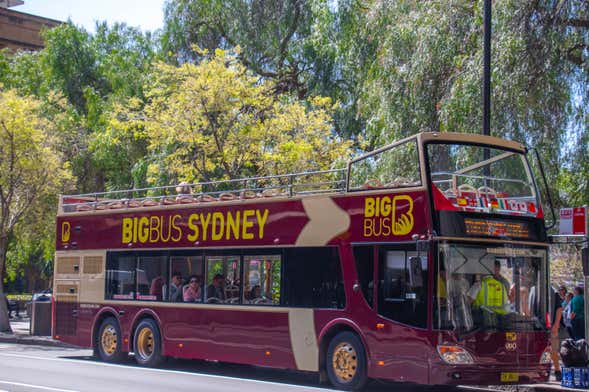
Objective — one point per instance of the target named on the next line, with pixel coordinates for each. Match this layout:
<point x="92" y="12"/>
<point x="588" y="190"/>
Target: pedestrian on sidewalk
<point x="578" y="314"/>
<point x="566" y="314"/>
<point x="556" y="332"/>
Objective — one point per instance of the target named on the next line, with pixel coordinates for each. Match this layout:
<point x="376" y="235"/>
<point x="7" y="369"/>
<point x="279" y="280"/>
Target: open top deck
<point x="408" y="172"/>
<point x="288" y="185"/>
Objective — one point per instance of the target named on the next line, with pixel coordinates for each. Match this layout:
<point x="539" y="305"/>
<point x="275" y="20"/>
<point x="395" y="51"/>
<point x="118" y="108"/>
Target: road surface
<point x="51" y="369"/>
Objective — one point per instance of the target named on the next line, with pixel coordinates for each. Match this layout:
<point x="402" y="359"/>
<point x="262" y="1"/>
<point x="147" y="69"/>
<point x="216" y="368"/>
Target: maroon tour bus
<point x="379" y="270"/>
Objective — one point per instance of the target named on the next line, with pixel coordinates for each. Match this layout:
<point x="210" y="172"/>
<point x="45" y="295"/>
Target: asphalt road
<point x="50" y="369"/>
<point x="36" y="369"/>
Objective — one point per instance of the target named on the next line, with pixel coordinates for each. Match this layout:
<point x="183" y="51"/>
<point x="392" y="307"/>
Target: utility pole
<point x="487" y="68"/>
<point x="487" y="81"/>
<point x="585" y="263"/>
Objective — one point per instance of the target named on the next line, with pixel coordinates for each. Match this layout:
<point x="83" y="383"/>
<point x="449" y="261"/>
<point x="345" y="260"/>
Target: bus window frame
<point x="239" y="252"/>
<point x="420" y="162"/>
<point x="426" y="167"/>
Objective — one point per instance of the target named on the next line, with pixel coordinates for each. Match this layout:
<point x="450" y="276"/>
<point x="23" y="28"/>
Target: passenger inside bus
<point x="176" y="287"/>
<point x="192" y="291"/>
<point x="256" y="293"/>
<point x="156" y="288"/>
<point x="215" y="291"/>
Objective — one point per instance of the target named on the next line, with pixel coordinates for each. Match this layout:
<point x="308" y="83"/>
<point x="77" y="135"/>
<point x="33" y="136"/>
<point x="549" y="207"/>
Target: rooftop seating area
<point x="288" y="185"/>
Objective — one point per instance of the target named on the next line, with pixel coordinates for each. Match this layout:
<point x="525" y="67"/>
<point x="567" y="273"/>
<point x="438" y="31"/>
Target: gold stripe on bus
<point x="301" y="327"/>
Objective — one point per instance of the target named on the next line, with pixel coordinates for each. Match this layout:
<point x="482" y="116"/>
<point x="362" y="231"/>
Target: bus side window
<point x="313" y="278"/>
<point x="151" y="272"/>
<point x="223" y="279"/>
<point x="188" y="265"/>
<point x="262" y="280"/>
<point x="120" y="276"/>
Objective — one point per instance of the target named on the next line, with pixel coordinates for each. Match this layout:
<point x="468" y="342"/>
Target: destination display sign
<point x="458" y="224"/>
<point x="496" y="228"/>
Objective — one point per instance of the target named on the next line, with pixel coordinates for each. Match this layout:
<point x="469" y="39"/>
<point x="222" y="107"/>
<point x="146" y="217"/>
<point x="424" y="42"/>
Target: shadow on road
<point x="218" y="369"/>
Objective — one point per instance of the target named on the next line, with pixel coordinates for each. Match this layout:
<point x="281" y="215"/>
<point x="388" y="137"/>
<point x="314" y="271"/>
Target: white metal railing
<point x="287" y="185"/>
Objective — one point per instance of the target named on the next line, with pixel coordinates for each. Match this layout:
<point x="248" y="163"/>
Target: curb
<point x="33" y="340"/>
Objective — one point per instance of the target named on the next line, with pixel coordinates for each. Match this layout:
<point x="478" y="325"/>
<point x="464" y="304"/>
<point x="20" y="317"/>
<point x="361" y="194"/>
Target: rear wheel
<point x="346" y="362"/>
<point x="108" y="343"/>
<point x="147" y="344"/>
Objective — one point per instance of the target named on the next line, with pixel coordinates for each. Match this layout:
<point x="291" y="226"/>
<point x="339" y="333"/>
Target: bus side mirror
<point x="585" y="260"/>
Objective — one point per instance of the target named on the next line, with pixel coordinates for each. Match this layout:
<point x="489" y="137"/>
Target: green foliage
<point x="119" y="117"/>
<point x="216" y="120"/>
<point x="27" y="187"/>
<point x="276" y="37"/>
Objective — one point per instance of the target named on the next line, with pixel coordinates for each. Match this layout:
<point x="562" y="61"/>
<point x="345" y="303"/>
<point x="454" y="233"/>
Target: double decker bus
<point x="424" y="261"/>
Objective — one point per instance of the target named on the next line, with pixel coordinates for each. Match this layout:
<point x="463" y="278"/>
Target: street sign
<point x="573" y="221"/>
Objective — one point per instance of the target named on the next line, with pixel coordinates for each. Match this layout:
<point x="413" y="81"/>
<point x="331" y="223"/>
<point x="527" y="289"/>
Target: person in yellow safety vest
<point x="492" y="295"/>
<point x="491" y="292"/>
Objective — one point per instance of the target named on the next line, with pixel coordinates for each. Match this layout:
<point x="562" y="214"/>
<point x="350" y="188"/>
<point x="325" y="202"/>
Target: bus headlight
<point x="545" y="358"/>
<point x="455" y="355"/>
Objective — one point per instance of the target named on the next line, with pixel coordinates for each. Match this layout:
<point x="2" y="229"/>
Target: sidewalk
<point x="20" y="335"/>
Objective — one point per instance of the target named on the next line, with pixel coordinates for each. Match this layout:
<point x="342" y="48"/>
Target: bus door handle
<point x="121" y="312"/>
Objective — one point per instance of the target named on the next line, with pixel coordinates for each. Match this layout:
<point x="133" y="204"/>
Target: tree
<point x="276" y="37"/>
<point x="30" y="168"/>
<point x="216" y="120"/>
<point x="31" y="251"/>
<point x="416" y="66"/>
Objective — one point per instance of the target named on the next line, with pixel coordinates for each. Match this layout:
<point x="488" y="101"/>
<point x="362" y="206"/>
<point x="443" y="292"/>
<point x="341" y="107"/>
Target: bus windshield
<point x="490" y="288"/>
<point x="478" y="178"/>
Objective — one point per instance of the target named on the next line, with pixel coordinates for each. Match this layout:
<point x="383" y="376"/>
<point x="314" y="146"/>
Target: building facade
<point x="21" y="31"/>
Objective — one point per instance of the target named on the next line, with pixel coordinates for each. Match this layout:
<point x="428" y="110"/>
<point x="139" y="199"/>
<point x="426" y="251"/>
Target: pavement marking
<point x="162" y="371"/>
<point x="20" y="384"/>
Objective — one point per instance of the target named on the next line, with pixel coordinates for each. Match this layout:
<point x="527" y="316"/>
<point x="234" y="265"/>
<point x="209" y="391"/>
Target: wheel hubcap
<point x="345" y="362"/>
<point x="144" y="343"/>
<point x="109" y="340"/>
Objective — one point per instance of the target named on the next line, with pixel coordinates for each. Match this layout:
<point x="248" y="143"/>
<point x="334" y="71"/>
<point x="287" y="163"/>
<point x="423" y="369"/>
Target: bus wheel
<point x="109" y="341"/>
<point x="346" y="362"/>
<point x="147" y="344"/>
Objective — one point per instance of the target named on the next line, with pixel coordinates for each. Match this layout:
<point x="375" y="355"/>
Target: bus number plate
<point x="509" y="377"/>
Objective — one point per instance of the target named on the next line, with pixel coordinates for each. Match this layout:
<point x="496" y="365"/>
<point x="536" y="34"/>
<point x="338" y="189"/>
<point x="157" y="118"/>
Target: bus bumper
<point x="489" y="375"/>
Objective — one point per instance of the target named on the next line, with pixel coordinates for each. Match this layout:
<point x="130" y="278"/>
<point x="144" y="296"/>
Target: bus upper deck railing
<point x="287" y="185"/>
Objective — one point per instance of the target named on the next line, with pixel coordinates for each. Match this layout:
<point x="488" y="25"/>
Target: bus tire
<point x="345" y="362"/>
<point x="147" y="344"/>
<point x="109" y="341"/>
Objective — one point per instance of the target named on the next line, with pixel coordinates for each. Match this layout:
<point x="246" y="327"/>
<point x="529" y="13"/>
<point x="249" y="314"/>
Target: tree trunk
<point x="4" y="322"/>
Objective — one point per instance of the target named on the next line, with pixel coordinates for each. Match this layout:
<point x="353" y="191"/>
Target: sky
<point x="146" y="14"/>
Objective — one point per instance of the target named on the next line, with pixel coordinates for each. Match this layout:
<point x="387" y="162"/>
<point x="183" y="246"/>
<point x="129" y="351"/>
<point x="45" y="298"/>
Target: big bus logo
<point x="384" y="216"/>
<point x="65" y="231"/>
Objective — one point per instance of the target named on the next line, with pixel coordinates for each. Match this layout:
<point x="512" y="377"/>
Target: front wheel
<point x="147" y="343"/>
<point x="109" y="342"/>
<point x="346" y="362"/>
